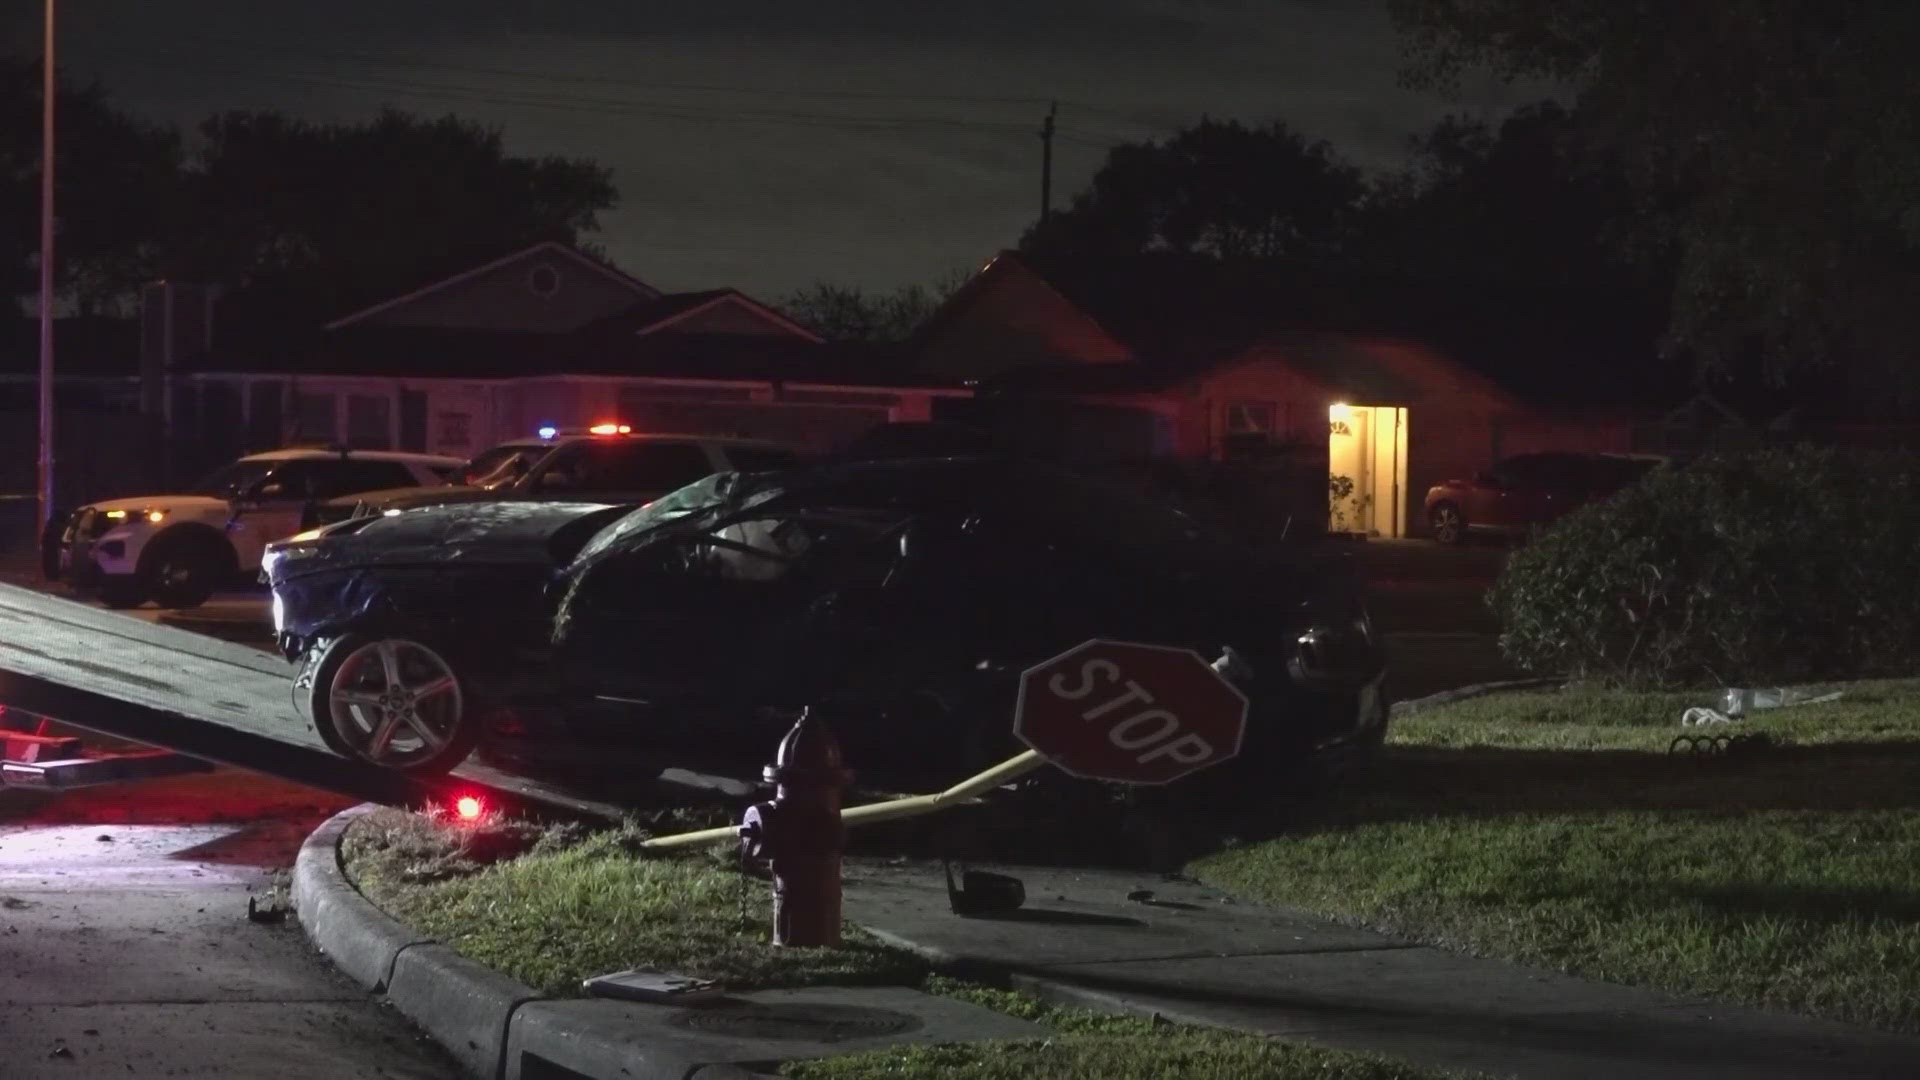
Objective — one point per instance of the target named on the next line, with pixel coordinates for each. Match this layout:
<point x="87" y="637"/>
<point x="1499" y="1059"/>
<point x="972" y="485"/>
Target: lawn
<point x="550" y="908"/>
<point x="1554" y="827"/>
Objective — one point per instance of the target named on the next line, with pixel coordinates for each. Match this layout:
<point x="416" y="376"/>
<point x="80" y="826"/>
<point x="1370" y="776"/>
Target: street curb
<point x="360" y="939"/>
<point x="1462" y="693"/>
<point x="466" y="1007"/>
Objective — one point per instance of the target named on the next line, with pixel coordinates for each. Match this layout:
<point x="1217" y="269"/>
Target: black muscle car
<point x="903" y="598"/>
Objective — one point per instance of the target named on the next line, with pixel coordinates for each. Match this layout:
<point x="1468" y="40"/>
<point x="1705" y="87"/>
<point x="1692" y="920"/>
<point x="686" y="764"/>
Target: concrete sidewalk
<point x="1193" y="954"/>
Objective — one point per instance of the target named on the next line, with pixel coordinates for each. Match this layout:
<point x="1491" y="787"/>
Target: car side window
<point x="350" y="477"/>
<point x="850" y="549"/>
<point x="288" y="480"/>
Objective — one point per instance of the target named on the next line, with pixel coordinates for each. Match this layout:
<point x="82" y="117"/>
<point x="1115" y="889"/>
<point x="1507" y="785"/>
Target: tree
<point x="1773" y="148"/>
<point x="116" y="177"/>
<point x="1509" y="234"/>
<point x="306" y="221"/>
<point x="1218" y="188"/>
<point x="847" y="313"/>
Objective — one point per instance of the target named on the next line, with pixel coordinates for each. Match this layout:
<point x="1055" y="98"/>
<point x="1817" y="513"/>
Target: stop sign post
<point x="1129" y="712"/>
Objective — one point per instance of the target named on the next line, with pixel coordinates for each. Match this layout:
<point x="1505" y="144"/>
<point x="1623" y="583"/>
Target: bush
<point x="1758" y="568"/>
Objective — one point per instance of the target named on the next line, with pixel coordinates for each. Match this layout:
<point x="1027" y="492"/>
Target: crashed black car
<point x="903" y="598"/>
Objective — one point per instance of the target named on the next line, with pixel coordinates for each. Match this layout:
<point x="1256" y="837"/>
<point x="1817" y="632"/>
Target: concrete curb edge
<point x="464" y="1006"/>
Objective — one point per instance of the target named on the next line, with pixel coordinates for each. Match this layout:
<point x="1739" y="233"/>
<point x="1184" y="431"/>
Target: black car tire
<point x="1449" y="525"/>
<point x="411" y="672"/>
<point x="120" y="595"/>
<point x="182" y="569"/>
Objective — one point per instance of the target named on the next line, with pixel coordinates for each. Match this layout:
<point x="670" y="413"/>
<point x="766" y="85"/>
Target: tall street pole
<point x="47" y="93"/>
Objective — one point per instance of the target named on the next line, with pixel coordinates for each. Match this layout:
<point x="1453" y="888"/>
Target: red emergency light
<point x="468" y="808"/>
<point x="610" y="429"/>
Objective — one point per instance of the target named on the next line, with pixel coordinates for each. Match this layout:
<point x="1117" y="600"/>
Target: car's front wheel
<point x="392" y="701"/>
<point x="1448" y="524"/>
<point x="182" y="569"/>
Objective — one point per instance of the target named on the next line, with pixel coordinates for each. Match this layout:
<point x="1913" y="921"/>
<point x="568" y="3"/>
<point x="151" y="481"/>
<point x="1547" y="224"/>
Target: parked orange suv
<point x="1528" y="490"/>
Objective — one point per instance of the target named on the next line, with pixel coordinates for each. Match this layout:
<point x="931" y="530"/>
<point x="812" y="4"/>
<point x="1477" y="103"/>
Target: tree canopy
<point x="298" y="221"/>
<point x="116" y="177"/>
<point x="1217" y="188"/>
<point x="311" y="220"/>
<point x="1773" y="147"/>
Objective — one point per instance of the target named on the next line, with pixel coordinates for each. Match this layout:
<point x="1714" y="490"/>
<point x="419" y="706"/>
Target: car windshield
<point x="720" y="491"/>
<point x="232" y="480"/>
<point x="501" y="465"/>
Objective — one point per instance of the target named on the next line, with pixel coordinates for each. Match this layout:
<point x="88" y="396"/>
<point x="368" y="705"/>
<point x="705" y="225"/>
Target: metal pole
<point x="47" y="94"/>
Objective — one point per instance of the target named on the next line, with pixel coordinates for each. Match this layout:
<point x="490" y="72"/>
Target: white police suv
<point x="177" y="549"/>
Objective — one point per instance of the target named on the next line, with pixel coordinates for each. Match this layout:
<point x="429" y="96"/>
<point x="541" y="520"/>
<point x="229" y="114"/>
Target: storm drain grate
<point x="800" y="1022"/>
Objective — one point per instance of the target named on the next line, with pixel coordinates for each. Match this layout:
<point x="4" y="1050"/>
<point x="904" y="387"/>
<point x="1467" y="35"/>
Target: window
<point x="1251" y="418"/>
<point x="313" y="417"/>
<point x="335" y="478"/>
<point x="370" y="421"/>
<point x="454" y="431"/>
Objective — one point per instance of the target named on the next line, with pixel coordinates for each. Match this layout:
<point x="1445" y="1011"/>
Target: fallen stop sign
<point x="1133" y="713"/>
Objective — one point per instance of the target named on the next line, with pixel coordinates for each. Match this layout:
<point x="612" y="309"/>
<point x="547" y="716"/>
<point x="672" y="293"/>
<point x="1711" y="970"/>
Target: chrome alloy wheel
<point x="395" y="702"/>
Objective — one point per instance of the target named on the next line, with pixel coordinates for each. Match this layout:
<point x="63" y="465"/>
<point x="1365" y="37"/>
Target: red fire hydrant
<point x="799" y="833"/>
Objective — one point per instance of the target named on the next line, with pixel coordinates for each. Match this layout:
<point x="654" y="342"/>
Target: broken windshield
<point x="719" y="491"/>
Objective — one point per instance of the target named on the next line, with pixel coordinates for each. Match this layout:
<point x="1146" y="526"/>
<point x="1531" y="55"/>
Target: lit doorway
<point x="1367" y="470"/>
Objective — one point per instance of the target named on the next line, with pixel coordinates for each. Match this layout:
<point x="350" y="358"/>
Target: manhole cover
<point x="801" y="1022"/>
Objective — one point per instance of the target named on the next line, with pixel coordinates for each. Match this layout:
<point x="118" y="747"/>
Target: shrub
<point x="1757" y="568"/>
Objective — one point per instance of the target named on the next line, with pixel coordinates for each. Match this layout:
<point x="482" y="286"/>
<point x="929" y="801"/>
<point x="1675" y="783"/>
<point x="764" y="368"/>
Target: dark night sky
<point x="767" y="144"/>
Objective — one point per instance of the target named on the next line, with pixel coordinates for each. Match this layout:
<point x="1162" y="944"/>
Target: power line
<point x="255" y="48"/>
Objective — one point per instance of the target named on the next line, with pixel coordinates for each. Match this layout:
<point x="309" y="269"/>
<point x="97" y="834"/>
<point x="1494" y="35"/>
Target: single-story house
<point x="1168" y="358"/>
<point x="544" y="337"/>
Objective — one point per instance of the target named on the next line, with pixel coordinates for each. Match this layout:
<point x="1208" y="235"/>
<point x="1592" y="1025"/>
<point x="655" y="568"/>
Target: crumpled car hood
<point x="493" y="532"/>
<point x="405" y="497"/>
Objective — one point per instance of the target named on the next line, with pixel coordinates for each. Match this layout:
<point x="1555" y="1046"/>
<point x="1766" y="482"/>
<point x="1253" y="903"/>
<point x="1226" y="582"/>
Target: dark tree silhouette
<point x="307" y="221"/>
<point x="1771" y="145"/>
<point x="1218" y="188"/>
<point x="116" y="174"/>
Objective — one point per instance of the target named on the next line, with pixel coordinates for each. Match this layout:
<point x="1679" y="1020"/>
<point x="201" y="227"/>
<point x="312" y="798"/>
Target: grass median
<point x="551" y="908"/>
<point x="1556" y="828"/>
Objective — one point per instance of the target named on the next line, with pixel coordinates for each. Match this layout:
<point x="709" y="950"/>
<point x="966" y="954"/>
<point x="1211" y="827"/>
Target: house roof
<point x="441" y="353"/>
<point x="1193" y="313"/>
<point x="546" y="247"/>
<point x="664" y="311"/>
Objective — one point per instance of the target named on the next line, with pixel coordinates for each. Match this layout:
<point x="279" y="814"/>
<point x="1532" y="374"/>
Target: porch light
<point x="1340" y="412"/>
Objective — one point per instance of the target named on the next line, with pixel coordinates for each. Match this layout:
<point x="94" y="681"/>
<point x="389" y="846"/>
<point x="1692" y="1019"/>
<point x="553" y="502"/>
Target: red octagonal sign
<point x="1138" y="714"/>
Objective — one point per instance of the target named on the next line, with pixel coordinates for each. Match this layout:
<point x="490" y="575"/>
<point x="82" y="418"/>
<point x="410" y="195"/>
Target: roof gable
<point x="727" y="311"/>
<point x="547" y="288"/>
<point x="1007" y="316"/>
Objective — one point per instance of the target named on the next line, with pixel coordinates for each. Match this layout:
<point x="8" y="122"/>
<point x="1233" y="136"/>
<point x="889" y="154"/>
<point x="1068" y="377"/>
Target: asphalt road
<point x="126" y="950"/>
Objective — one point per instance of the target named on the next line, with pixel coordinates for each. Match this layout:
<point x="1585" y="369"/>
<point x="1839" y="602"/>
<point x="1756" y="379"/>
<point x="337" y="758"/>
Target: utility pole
<point x="47" y="94"/>
<point x="1046" y="162"/>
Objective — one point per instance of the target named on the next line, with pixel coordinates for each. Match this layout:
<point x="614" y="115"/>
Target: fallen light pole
<point x="1104" y="710"/>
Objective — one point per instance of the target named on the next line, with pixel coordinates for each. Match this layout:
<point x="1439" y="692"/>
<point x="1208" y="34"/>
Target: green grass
<point x="1554" y="828"/>
<point x="568" y="908"/>
<point x="551" y="908"/>
<point x="1096" y="1046"/>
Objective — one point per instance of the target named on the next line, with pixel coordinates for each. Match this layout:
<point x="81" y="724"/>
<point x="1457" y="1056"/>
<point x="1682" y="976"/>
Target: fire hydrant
<point x="799" y="833"/>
